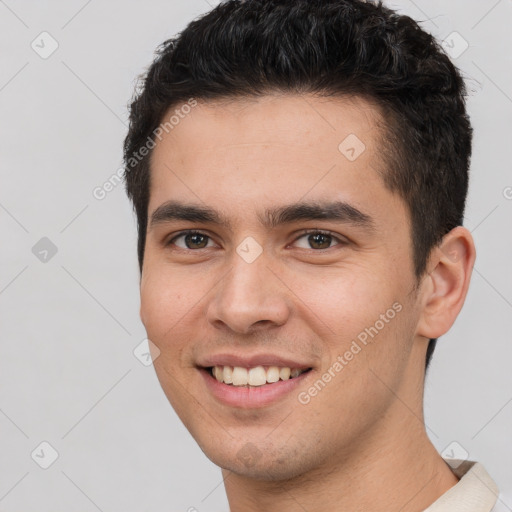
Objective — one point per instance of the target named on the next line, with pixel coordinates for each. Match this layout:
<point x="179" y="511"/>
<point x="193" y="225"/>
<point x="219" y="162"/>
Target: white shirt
<point x="476" y="491"/>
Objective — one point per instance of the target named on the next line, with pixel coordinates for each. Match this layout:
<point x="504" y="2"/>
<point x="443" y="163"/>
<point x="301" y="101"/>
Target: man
<point x="299" y="172"/>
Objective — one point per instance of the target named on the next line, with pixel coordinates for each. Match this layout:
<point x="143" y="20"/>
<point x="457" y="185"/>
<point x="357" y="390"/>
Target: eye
<point x="312" y="239"/>
<point x="191" y="240"/>
<point x="318" y="240"/>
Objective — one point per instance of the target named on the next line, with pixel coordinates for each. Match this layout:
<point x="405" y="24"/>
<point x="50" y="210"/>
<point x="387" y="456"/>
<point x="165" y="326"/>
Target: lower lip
<point x="248" y="398"/>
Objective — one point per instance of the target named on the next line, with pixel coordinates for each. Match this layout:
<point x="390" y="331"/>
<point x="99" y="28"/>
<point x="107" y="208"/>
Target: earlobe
<point x="445" y="288"/>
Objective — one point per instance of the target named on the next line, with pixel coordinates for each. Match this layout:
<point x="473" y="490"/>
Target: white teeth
<point x="227" y="374"/>
<point x="239" y="376"/>
<point x="284" y="373"/>
<point x="273" y="374"/>
<point x="217" y="373"/>
<point x="257" y="376"/>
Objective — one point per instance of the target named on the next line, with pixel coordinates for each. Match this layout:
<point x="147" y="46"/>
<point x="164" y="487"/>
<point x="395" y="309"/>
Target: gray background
<point x="70" y="323"/>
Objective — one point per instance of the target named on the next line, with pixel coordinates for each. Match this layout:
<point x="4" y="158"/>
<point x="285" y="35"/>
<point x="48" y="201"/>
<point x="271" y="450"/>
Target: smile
<point x="254" y="377"/>
<point x="253" y="387"/>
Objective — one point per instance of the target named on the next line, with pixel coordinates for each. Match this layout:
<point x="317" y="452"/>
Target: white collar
<point x="476" y="491"/>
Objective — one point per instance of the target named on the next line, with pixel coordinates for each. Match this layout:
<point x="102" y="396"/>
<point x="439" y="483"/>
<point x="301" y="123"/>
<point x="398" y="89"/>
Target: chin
<point x="260" y="460"/>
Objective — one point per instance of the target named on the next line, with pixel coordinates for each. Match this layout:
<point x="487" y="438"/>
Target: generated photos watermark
<point x="363" y="338"/>
<point x="101" y="191"/>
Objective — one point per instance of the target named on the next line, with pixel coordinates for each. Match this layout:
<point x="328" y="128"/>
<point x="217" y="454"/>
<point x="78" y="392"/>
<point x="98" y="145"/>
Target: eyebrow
<point x="337" y="211"/>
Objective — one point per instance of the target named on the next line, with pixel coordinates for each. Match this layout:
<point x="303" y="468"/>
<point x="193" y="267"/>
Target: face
<point x="278" y="282"/>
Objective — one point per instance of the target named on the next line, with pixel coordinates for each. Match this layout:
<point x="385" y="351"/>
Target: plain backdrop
<point x="69" y="377"/>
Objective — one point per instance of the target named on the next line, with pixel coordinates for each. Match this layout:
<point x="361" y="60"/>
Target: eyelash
<point x="305" y="233"/>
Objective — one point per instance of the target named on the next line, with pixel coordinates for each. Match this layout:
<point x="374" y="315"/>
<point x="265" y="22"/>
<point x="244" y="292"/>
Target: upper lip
<point x="251" y="361"/>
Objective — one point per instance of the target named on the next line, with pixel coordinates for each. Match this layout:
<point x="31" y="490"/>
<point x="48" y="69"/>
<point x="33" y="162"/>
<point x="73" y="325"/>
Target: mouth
<point x="254" y="377"/>
<point x="253" y="387"/>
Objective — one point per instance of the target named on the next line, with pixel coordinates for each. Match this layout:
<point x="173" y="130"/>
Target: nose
<point x="248" y="298"/>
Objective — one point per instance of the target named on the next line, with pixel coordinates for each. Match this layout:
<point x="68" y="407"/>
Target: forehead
<point x="272" y="149"/>
<point x="299" y="121"/>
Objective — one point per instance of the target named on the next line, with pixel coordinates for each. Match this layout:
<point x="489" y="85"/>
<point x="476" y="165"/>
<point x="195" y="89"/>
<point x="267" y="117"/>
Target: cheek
<point x="165" y="310"/>
<point x="346" y="300"/>
<point x="165" y="301"/>
<point x="371" y="326"/>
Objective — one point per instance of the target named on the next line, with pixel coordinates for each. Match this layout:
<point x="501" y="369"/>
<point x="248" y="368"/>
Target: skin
<point x="361" y="442"/>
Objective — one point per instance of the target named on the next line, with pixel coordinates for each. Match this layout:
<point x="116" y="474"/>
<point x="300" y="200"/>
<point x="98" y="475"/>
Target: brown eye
<point x="318" y="240"/>
<point x="196" y="241"/>
<point x="191" y="240"/>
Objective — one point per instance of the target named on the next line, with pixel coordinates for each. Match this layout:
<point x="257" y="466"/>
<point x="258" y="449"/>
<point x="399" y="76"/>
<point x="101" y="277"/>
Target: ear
<point x="446" y="284"/>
